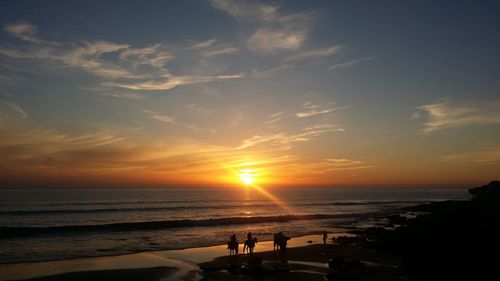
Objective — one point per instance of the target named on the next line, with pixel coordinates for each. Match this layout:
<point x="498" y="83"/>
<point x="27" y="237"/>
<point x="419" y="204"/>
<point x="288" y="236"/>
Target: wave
<point x="10" y="232"/>
<point x="176" y="208"/>
<point x="315" y="201"/>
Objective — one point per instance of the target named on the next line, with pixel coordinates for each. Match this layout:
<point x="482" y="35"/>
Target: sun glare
<point x="247" y="176"/>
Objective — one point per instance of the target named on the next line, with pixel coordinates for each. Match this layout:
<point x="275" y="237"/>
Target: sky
<point x="221" y="93"/>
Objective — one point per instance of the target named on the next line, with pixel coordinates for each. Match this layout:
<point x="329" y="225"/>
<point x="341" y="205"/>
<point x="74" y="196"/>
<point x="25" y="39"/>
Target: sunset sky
<point x="287" y="93"/>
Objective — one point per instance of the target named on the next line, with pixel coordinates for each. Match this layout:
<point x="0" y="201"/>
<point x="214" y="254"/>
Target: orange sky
<point x="302" y="93"/>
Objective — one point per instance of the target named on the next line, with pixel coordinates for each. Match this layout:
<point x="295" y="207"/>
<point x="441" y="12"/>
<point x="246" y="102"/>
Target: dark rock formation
<point x="453" y="240"/>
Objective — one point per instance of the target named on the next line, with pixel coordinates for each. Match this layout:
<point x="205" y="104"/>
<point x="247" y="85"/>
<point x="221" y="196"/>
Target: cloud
<point x="169" y="82"/>
<point x="16" y="108"/>
<point x="85" y="57"/>
<point x="263" y="13"/>
<point x="198" y="108"/>
<point x="258" y="139"/>
<point x="120" y="65"/>
<point x="486" y="157"/>
<point x="45" y="147"/>
<point x="319" y="53"/>
<point x="271" y="71"/>
<point x="447" y="113"/>
<point x="159" y="116"/>
<point x="267" y="40"/>
<point x="153" y="56"/>
<point x="203" y="44"/>
<point x="168" y="119"/>
<point x="306" y="134"/>
<point x="339" y="164"/>
<point x="100" y="152"/>
<point x="312" y="109"/>
<point x="133" y="96"/>
<point x="313" y="112"/>
<point x="350" y="63"/>
<point x="277" y="31"/>
<point x="221" y="51"/>
<point x="255" y="10"/>
<point x="24" y="31"/>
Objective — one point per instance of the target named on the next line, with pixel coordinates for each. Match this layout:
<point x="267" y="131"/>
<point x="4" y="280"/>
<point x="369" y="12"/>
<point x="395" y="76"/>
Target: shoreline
<point x="367" y="219"/>
<point x="369" y="257"/>
<point x="184" y="260"/>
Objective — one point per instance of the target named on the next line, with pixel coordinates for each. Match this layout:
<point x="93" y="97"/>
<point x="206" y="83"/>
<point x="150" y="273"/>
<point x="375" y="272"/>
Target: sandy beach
<point x="307" y="257"/>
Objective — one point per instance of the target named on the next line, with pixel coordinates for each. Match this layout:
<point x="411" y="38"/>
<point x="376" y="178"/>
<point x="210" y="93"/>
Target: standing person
<point x="249" y="235"/>
<point x="232" y="245"/>
<point x="325" y="236"/>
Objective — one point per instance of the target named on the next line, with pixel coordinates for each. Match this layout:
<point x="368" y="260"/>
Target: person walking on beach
<point x="325" y="236"/>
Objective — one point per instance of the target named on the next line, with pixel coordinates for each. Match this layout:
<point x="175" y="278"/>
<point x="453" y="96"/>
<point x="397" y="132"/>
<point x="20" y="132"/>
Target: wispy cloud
<point x="350" y="63"/>
<point x="258" y="139"/>
<point x="286" y="139"/>
<point x="16" y="108"/>
<point x="47" y="147"/>
<point x="169" y="119"/>
<point x="277" y="116"/>
<point x="24" y="31"/>
<point x="160" y="117"/>
<point x="313" y="112"/>
<point x="312" y="109"/>
<point x="486" y="157"/>
<point x="121" y="65"/>
<point x="154" y="56"/>
<point x="203" y="44"/>
<point x="277" y="31"/>
<point x="339" y="164"/>
<point x="271" y="71"/>
<point x="221" y="51"/>
<point x="169" y="82"/>
<point x="319" y="53"/>
<point x="447" y="113"/>
<point x="257" y="11"/>
<point x="85" y="57"/>
<point x="132" y="96"/>
<point x="267" y="40"/>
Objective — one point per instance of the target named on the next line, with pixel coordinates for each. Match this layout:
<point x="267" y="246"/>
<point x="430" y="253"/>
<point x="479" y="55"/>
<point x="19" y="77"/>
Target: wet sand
<point x="307" y="259"/>
<point x="144" y="274"/>
<point x="304" y="263"/>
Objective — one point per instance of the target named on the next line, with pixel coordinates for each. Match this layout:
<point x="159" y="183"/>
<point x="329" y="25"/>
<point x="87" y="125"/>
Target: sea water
<point x="38" y="225"/>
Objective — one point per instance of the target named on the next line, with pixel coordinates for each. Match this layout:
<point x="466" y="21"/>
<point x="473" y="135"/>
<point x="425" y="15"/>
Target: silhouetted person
<point x="325" y="236"/>
<point x="249" y="235"/>
<point x="250" y="244"/>
<point x="283" y="242"/>
<point x="233" y="245"/>
<point x="276" y="240"/>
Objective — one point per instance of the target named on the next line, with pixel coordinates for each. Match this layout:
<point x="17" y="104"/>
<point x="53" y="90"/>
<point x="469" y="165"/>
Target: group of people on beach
<point x="248" y="246"/>
<point x="279" y="243"/>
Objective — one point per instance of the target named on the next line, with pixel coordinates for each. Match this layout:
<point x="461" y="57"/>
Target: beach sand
<point x="305" y="263"/>
<point x="306" y="259"/>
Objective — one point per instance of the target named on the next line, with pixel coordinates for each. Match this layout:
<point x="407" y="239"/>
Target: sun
<point x="247" y="176"/>
<point x="246" y="180"/>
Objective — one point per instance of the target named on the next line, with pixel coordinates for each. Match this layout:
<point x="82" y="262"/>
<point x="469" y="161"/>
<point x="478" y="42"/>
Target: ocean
<point x="40" y="225"/>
